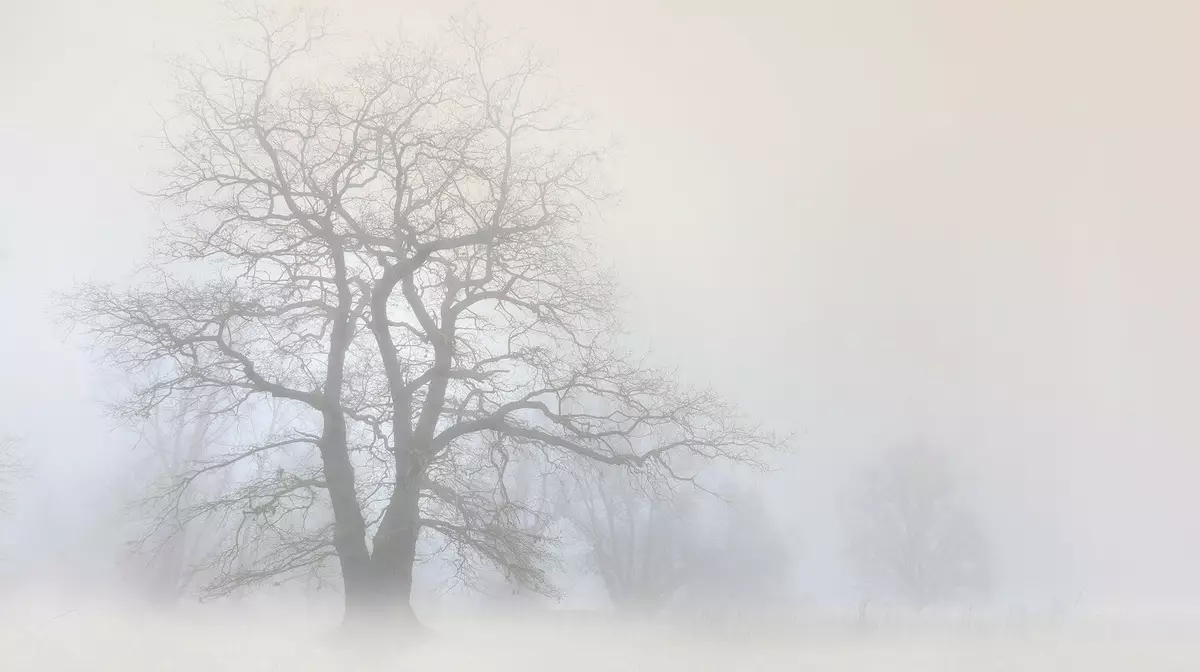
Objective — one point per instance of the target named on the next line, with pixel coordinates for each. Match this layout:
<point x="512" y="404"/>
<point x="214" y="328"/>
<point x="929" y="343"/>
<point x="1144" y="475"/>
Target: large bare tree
<point x="398" y="250"/>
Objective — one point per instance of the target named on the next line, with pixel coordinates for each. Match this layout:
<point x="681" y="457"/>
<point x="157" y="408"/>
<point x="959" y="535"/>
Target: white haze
<point x="864" y="221"/>
<point x="99" y="636"/>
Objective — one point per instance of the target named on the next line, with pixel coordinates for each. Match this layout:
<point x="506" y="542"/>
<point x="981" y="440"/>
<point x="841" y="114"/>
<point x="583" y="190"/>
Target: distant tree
<point x="180" y="437"/>
<point x="13" y="470"/>
<point x="682" y="548"/>
<point x="397" y="250"/>
<point x="912" y="533"/>
<point x="640" y="540"/>
<point x="741" y="559"/>
<point x="528" y="486"/>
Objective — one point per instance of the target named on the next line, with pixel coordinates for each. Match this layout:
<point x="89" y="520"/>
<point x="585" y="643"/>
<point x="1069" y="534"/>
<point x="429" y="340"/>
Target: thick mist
<point x="869" y="225"/>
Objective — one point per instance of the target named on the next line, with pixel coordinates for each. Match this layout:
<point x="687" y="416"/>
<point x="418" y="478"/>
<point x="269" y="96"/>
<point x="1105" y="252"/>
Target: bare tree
<point x="13" y="470"/>
<point x="688" y="550"/>
<point x="741" y="562"/>
<point x="398" y="251"/>
<point x="179" y="437"/>
<point x="641" y="540"/>
<point x="911" y="530"/>
<point x="529" y="486"/>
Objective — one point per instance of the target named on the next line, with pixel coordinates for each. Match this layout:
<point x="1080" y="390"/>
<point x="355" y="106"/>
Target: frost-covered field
<point x="226" y="638"/>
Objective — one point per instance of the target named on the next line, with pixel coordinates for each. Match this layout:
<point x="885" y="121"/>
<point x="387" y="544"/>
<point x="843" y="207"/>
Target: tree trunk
<point x="349" y="527"/>
<point x="395" y="553"/>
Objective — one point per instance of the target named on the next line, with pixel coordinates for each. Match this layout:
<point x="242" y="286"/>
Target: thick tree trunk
<point x="349" y="527"/>
<point x="393" y="557"/>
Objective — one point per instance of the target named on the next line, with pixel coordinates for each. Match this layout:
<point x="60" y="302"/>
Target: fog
<point x="866" y="224"/>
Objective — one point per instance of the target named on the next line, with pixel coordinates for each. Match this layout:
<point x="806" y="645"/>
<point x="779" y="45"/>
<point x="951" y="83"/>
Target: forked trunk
<point x="388" y="602"/>
<point x="383" y="605"/>
<point x="349" y="527"/>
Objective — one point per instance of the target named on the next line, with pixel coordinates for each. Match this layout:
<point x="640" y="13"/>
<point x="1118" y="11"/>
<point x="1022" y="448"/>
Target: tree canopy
<point x="397" y="249"/>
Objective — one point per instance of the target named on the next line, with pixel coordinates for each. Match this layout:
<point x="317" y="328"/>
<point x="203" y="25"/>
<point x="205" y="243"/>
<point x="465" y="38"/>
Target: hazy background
<point x="865" y="221"/>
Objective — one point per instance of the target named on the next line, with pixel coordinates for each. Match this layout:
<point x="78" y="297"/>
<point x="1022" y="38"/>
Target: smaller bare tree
<point x="912" y="533"/>
<point x="638" y="535"/>
<point x="13" y="470"/>
<point x="742" y="562"/>
<point x="528" y="486"/>
<point x="180" y="436"/>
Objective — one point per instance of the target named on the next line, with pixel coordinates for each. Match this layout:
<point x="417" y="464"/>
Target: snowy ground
<point x="96" y="637"/>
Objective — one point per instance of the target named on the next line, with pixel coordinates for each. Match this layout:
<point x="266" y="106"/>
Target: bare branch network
<point x="397" y="249"/>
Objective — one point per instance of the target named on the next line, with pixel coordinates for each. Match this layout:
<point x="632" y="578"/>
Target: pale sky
<point x="862" y="220"/>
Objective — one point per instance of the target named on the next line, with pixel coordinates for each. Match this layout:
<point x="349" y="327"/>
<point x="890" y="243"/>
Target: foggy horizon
<point x="865" y="225"/>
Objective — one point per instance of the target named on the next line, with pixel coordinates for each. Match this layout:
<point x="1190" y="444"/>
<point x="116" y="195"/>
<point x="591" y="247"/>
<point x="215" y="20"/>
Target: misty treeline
<point x="373" y="331"/>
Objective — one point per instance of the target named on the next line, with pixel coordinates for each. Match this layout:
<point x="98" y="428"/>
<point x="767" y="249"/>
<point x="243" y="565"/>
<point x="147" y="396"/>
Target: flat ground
<point x="97" y="638"/>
